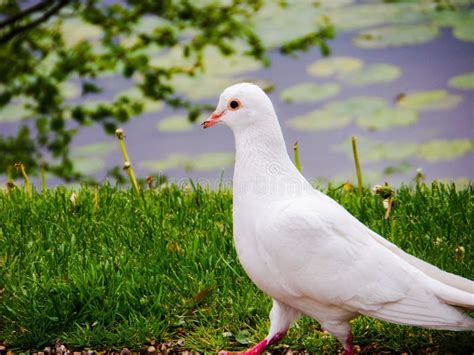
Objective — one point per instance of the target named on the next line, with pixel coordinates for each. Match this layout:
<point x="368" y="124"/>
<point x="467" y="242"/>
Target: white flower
<point x="376" y="189"/>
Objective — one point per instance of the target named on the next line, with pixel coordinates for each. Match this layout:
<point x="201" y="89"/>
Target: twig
<point x="21" y="168"/>
<point x="357" y="164"/>
<point x="127" y="165"/>
<point x="297" y="157"/>
<point x="14" y="18"/>
<point x="17" y="30"/>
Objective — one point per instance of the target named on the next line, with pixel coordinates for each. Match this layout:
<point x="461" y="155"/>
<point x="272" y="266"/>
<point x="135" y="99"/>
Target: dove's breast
<point x="247" y="216"/>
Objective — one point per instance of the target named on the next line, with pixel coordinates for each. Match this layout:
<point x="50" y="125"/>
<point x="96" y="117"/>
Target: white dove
<point x="311" y="255"/>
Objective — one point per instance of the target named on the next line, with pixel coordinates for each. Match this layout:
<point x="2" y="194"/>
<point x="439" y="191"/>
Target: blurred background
<point x="397" y="74"/>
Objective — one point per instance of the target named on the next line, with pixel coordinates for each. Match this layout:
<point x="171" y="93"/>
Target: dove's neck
<point x="263" y="168"/>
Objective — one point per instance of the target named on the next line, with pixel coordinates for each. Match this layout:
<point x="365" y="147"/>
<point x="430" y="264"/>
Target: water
<point x="424" y="67"/>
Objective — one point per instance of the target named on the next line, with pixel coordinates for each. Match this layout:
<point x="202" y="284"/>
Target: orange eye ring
<point x="234" y="104"/>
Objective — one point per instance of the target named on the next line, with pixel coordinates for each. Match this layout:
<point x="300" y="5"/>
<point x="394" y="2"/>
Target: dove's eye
<point x="234" y="104"/>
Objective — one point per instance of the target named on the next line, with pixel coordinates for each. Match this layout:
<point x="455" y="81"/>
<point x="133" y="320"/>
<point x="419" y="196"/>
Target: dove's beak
<point x="213" y="119"/>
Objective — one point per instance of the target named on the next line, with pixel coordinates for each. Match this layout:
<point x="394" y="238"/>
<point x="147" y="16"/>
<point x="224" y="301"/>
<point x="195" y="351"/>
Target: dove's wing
<point x="318" y="250"/>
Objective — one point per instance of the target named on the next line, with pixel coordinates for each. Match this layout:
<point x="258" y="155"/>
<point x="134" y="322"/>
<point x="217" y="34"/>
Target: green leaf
<point x="136" y="94"/>
<point x="463" y="81"/>
<point x="430" y="100"/>
<point x="14" y="112"/>
<point x="396" y="36"/>
<point x="202" y="86"/>
<point x="70" y="90"/>
<point x="242" y="337"/>
<point x="76" y="30"/>
<point x="309" y="92"/>
<point x="220" y="71"/>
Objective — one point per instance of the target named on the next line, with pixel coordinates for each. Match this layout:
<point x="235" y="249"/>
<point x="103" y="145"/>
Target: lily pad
<point x="355" y="107"/>
<point x="371" y="151"/>
<point x="373" y="74"/>
<point x="396" y="36"/>
<point x="332" y="4"/>
<point x="88" y="165"/>
<point x="201" y="162"/>
<point x="176" y="123"/>
<point x="319" y="120"/>
<point x="463" y="81"/>
<point x="400" y="168"/>
<point x="464" y="32"/>
<point x="441" y="149"/>
<point x="173" y="161"/>
<point x="388" y="117"/>
<point x="308" y="92"/>
<point x="368" y="15"/>
<point x="430" y="100"/>
<point x="334" y="66"/>
<point x="338" y="113"/>
<point x="451" y="18"/>
<point x="277" y="24"/>
<point x="90" y="158"/>
<point x="435" y="150"/>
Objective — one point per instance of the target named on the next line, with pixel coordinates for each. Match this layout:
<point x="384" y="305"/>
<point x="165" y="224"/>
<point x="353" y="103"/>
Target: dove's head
<point x="242" y="105"/>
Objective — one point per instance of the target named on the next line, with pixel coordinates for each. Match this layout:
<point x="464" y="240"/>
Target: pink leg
<point x="281" y="318"/>
<point x="348" y="348"/>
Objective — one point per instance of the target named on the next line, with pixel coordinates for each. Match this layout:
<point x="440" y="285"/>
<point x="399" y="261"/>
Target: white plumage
<point x="312" y="256"/>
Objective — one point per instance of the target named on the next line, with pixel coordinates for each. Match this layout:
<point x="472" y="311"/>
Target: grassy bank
<point x="107" y="270"/>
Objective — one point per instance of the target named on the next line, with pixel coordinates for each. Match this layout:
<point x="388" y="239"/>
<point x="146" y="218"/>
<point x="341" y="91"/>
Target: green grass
<point x="109" y="272"/>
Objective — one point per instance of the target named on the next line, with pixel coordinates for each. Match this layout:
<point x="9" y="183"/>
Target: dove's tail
<point x="435" y="308"/>
<point x="438" y="307"/>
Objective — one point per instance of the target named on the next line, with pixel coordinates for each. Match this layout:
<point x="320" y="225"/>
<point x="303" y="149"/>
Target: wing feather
<point x="320" y="251"/>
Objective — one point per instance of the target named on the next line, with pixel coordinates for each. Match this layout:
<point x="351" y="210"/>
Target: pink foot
<point x="260" y="347"/>
<point x="348" y="348"/>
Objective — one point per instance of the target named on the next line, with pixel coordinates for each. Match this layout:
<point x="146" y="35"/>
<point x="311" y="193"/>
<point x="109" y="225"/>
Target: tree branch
<point x="17" y="30"/>
<point x="14" y="18"/>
